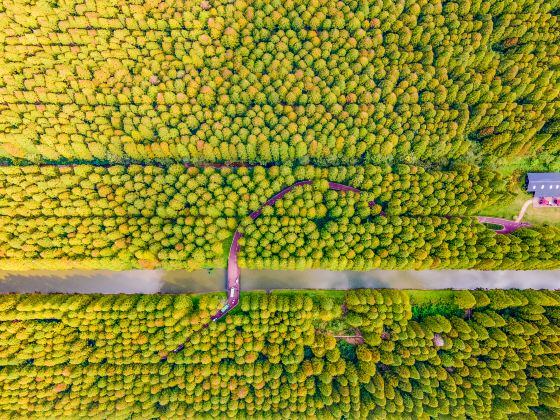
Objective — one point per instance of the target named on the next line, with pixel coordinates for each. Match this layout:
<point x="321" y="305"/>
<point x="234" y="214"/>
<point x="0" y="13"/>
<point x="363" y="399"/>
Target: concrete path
<point x="523" y="210"/>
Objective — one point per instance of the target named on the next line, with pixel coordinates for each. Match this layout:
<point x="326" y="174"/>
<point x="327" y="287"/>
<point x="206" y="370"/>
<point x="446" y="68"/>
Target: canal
<point x="202" y="281"/>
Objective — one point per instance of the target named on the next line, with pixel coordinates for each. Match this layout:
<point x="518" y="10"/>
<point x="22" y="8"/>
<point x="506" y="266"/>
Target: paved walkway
<point x="523" y="210"/>
<point x="508" y="226"/>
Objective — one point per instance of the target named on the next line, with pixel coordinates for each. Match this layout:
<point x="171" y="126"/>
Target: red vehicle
<point x="544" y="202"/>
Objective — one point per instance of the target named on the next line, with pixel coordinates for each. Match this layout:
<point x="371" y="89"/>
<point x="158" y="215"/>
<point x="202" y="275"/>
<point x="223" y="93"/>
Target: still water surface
<point x="201" y="281"/>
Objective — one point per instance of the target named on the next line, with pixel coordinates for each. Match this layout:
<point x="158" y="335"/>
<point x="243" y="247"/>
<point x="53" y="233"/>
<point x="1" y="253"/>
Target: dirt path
<point x="354" y="340"/>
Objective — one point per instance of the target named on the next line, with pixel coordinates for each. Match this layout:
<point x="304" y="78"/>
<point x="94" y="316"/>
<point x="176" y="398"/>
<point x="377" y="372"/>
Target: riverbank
<point x="205" y="281"/>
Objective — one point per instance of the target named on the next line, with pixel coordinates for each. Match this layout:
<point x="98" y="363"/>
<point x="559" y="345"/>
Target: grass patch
<point x="536" y="216"/>
<point x="433" y="302"/>
<point x="541" y="162"/>
<point x="446" y="310"/>
<point x="493" y="226"/>
<point x="226" y="245"/>
<point x="429" y="297"/>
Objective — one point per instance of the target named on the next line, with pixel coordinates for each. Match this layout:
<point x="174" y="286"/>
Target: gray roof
<point x="544" y="184"/>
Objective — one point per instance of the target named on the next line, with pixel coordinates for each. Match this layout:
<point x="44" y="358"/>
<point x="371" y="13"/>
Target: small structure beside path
<point x="546" y="188"/>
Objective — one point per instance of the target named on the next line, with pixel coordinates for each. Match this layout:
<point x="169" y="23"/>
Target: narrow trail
<point x="347" y="336"/>
<point x="233" y="270"/>
<point x="523" y="210"/>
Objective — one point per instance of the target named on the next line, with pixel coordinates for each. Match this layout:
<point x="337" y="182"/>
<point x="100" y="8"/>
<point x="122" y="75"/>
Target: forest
<point x="142" y="134"/>
<point x="331" y="354"/>
<point x="148" y="134"/>
<point x="268" y="81"/>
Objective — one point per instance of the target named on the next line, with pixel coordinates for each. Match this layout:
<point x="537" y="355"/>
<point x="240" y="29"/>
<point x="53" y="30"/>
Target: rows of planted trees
<point x="177" y="191"/>
<point x="359" y="243"/>
<point x="479" y="354"/>
<point x="271" y="81"/>
<point x="127" y="217"/>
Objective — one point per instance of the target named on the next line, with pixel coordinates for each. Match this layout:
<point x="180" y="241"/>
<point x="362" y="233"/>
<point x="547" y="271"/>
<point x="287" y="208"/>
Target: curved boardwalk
<point x="233" y="271"/>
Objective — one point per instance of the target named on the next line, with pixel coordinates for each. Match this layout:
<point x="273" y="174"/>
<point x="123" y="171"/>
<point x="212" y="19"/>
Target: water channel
<point x="202" y="281"/>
